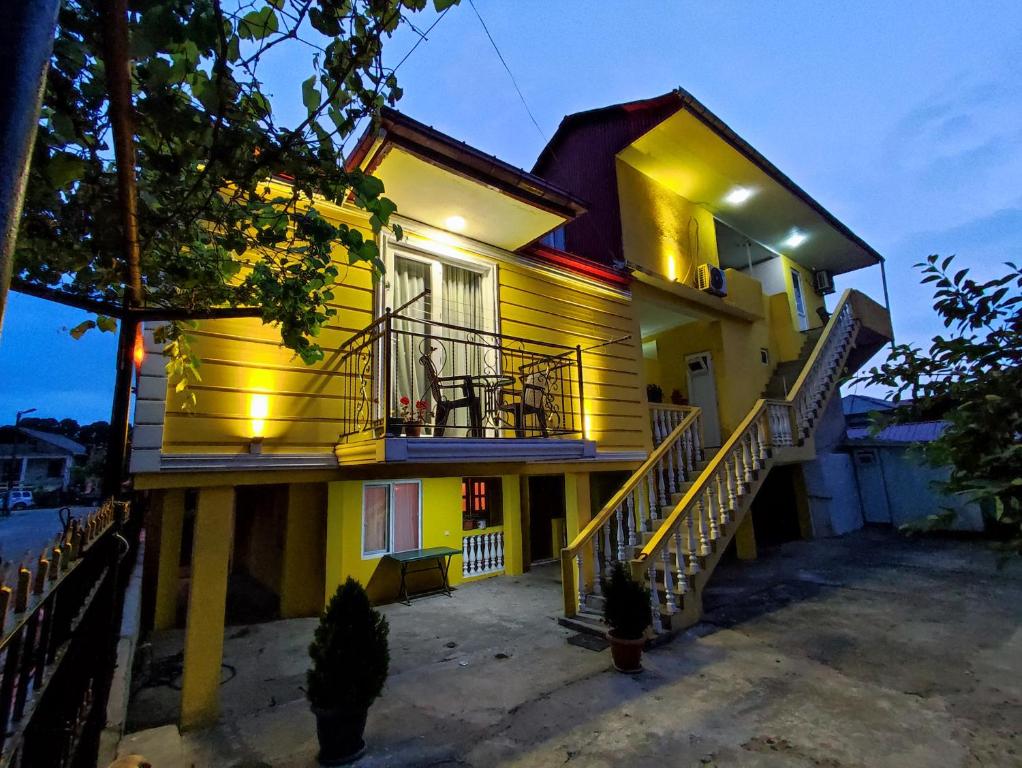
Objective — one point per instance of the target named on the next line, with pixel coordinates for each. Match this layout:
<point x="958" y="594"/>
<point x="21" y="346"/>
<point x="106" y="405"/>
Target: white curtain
<point x="463" y="307"/>
<point x="410" y="279"/>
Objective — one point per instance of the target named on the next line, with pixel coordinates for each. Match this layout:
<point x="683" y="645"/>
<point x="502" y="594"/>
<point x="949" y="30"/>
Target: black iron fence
<point x="422" y="378"/>
<point x="58" y="648"/>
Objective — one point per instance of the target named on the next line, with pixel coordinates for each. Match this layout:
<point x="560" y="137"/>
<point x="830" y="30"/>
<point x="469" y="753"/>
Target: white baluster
<point x="581" y="581"/>
<point x="654" y="599"/>
<point x="692" y="548"/>
<point x="665" y="555"/>
<point x="711" y="514"/>
<point x="620" y="532"/>
<point x="464" y="557"/>
<point x="747" y="457"/>
<point x="721" y="501"/>
<point x="632" y="521"/>
<point x="704" y="542"/>
<point x="661" y="482"/>
<point x="597" y="568"/>
<point x="672" y="484"/>
<point x="729" y="479"/>
<point x="651" y="501"/>
<point x="607" y="550"/>
<point x="680" y="560"/>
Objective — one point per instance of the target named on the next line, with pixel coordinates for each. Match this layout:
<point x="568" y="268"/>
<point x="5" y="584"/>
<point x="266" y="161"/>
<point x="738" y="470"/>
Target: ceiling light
<point x="795" y="239"/>
<point x="455" y="223"/>
<point x="737" y="196"/>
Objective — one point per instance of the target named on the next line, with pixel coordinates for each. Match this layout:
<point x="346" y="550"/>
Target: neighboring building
<point x="37" y="460"/>
<point x="528" y="311"/>
<point x="892" y="483"/>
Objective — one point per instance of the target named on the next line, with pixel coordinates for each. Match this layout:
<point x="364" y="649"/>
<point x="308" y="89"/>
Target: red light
<point x="138" y="354"/>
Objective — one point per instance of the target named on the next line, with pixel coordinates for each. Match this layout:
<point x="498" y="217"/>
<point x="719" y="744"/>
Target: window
<point x="481" y="502"/>
<point x="764" y="355"/>
<point x="391" y="518"/>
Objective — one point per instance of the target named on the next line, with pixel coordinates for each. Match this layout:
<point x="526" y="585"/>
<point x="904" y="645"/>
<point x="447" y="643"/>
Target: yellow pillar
<point x="204" y="631"/>
<point x="172" y="514"/>
<point x="337" y="494"/>
<point x="512" y="498"/>
<point x="578" y="511"/>
<point x="745" y="539"/>
<point x="302" y="572"/>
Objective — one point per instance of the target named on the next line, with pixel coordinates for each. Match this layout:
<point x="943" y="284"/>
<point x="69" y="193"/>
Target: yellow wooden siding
<point x="540" y="306"/>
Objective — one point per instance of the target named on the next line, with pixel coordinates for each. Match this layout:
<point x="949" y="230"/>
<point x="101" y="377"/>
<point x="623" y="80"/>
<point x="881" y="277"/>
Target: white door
<point x="702" y="392"/>
<point x="800" y="300"/>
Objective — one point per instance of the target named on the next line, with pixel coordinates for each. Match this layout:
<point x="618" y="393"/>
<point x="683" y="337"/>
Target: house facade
<point x="487" y="393"/>
<point x="36" y="460"/>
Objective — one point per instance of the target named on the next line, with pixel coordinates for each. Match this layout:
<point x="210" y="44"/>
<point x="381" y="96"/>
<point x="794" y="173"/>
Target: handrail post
<point x="581" y="392"/>
<point x="387" y="340"/>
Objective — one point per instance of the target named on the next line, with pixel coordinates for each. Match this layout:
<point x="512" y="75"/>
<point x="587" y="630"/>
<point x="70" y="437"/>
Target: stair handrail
<point x="570" y="552"/>
<point x="701" y="484"/>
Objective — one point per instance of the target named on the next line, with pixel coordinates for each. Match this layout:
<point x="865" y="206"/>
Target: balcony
<point x="418" y="390"/>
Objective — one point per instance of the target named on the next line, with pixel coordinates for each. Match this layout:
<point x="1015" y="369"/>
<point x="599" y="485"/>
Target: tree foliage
<point x="972" y="378"/>
<point x="212" y="231"/>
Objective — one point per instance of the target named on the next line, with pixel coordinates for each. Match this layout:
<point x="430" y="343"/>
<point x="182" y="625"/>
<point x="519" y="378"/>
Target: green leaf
<point x="106" y="324"/>
<point x="311" y="96"/>
<point x="258" y="25"/>
<point x="443" y="5"/>
<point x="79" y="330"/>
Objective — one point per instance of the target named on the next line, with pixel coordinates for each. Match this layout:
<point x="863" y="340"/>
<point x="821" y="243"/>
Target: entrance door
<point x="546" y="504"/>
<point x="872" y="486"/>
<point x="800" y="300"/>
<point x="702" y="392"/>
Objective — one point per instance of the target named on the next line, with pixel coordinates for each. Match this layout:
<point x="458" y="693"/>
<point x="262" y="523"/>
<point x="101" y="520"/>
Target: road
<point x="27" y="531"/>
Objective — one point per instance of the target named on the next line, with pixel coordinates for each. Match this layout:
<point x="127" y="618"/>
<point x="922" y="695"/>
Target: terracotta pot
<point x="626" y="653"/>
<point x="340" y="735"/>
<point x="413" y="428"/>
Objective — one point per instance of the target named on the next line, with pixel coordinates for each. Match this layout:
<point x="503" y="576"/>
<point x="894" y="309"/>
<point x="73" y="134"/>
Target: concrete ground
<point x="856" y="652"/>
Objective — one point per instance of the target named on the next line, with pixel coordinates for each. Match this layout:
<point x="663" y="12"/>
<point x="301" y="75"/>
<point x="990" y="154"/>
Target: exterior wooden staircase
<point x="674" y="517"/>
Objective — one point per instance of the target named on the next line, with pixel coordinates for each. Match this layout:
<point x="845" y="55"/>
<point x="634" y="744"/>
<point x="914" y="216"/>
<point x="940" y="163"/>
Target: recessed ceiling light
<point x="737" y="196"/>
<point x="455" y="223"/>
<point x="795" y="239"/>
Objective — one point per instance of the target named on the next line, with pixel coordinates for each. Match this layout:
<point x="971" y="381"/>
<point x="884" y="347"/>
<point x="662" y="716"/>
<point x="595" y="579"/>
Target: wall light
<point x="258" y="410"/>
<point x="455" y="223"/>
<point x="587" y="428"/>
<point x="672" y="268"/>
<point x="737" y="196"/>
<point x="795" y="239"/>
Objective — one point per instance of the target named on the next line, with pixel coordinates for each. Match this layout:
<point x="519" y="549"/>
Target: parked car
<point x="19" y="499"/>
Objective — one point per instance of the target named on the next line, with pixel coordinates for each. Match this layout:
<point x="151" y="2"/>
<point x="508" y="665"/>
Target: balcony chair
<point x="532" y="402"/>
<point x="443" y="405"/>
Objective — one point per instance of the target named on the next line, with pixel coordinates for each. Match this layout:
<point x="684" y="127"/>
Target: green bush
<point x="625" y="604"/>
<point x="349" y="652"/>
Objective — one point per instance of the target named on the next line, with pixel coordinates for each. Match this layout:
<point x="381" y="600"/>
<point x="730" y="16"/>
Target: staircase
<point x="673" y="518"/>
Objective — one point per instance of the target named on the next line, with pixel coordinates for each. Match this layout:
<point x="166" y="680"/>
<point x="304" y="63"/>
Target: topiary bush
<point x="625" y="604"/>
<point x="349" y="652"/>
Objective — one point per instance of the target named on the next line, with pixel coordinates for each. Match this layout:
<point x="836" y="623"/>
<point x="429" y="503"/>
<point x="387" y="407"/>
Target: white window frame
<point x="389" y="485"/>
<point x="798" y="296"/>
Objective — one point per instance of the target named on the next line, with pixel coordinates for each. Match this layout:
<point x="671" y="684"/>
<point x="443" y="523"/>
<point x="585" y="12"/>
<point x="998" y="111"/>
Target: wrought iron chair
<point x="532" y="402"/>
<point x="444" y="405"/>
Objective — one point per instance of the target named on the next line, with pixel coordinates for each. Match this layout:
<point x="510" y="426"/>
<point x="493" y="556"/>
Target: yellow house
<point x="487" y="396"/>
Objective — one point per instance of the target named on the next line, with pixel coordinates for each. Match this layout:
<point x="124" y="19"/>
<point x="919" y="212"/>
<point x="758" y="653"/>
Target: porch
<point x="419" y="389"/>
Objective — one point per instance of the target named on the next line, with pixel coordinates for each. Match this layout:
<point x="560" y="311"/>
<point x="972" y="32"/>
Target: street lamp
<point x="14" y="459"/>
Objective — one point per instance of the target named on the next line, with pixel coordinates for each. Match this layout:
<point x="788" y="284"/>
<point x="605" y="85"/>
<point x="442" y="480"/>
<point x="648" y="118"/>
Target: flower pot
<point x="394" y="426"/>
<point x="626" y="653"/>
<point x="413" y="428"/>
<point x="340" y="735"/>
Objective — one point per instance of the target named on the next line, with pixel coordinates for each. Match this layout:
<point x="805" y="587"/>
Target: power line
<point x="509" y="73"/>
<point x="422" y="36"/>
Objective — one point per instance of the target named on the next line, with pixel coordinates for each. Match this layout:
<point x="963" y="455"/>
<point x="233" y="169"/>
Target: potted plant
<point x="677" y="398"/>
<point x="654" y="394"/>
<point x="349" y="666"/>
<point x="626" y="610"/>
<point x="413" y="418"/>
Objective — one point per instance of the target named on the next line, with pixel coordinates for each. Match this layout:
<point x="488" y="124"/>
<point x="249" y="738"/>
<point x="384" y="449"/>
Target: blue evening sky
<point x="904" y="119"/>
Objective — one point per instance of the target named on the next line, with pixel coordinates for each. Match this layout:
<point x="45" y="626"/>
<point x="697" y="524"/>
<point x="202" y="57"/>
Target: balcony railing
<point x="466" y="382"/>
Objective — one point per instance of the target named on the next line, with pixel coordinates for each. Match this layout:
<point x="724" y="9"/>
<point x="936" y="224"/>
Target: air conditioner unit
<point x="710" y="279"/>
<point x="823" y="282"/>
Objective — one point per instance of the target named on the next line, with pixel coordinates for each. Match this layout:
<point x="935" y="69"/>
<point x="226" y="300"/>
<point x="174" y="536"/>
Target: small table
<point x="437" y="555"/>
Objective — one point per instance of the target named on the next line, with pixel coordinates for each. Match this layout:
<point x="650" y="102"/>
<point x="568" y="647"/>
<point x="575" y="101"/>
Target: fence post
<point x="581" y="392"/>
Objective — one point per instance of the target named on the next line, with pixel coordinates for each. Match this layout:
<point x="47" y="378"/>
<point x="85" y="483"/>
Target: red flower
<point x="421" y="405"/>
<point x="404" y="400"/>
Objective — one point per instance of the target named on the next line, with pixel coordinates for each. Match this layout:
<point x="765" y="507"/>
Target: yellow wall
<point x="662" y="231"/>
<point x="813" y="300"/>
<point x="441" y="527"/>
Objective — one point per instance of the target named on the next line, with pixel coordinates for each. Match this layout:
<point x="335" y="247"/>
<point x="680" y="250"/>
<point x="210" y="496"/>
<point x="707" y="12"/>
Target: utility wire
<point x="509" y="73"/>
<point x="422" y="36"/>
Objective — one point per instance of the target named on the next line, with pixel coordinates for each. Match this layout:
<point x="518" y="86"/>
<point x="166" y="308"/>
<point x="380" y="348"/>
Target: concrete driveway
<point x="862" y="651"/>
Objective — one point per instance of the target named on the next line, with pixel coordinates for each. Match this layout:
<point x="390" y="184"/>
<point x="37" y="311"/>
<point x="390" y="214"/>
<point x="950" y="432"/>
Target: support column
<point x="745" y="539"/>
<point x="170" y="511"/>
<point x="578" y="511"/>
<point x="303" y="570"/>
<point x="207" y="598"/>
<point x="513" y="532"/>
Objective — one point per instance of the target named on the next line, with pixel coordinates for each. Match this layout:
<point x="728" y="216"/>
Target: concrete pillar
<point x="578" y="511"/>
<point x="170" y="513"/>
<point x="207" y="598"/>
<point x="513" y="533"/>
<point x="303" y="568"/>
<point x="745" y="539"/>
<point x="337" y="494"/>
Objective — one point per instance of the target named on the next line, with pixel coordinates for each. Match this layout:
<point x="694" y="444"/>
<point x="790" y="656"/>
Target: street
<point x="27" y="531"/>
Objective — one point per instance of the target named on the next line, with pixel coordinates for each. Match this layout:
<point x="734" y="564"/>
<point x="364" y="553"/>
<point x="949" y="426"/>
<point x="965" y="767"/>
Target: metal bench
<point x="441" y="556"/>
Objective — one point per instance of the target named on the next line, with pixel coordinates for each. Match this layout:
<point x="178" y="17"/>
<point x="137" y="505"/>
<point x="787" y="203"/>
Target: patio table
<point x="413" y="556"/>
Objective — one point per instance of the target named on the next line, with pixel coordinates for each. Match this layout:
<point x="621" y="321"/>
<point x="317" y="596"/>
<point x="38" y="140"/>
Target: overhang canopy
<point x="449" y="185"/>
<point x="697" y="156"/>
